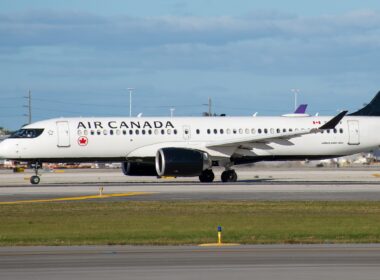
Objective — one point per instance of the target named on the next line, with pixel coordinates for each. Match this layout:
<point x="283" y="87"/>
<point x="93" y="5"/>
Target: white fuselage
<point x="121" y="139"/>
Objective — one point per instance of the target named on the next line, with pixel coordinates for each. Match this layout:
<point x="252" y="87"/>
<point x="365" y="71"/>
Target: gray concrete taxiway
<point x="255" y="184"/>
<point x="348" y="262"/>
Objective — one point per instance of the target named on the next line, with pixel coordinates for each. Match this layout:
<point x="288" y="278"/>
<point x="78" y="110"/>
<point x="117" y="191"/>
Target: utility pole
<point x="209" y="106"/>
<point x="29" y="107"/>
<point x="130" y="100"/>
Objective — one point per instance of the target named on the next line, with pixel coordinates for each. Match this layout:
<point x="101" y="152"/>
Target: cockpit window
<point x="27" y="133"/>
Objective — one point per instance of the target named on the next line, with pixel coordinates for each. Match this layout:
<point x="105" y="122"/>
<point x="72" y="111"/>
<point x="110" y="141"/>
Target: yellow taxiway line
<point x="218" y="244"/>
<point x="76" y="198"/>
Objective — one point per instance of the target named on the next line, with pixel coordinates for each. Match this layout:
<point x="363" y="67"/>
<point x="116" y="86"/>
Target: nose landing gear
<point x="35" y="179"/>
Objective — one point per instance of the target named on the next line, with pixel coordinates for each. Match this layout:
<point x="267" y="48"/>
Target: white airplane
<point x="191" y="146"/>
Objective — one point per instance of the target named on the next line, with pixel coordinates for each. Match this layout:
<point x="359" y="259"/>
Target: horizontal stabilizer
<point x="331" y="124"/>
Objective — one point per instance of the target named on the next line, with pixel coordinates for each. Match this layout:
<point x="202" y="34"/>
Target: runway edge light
<point x="219" y="243"/>
<point x="219" y="235"/>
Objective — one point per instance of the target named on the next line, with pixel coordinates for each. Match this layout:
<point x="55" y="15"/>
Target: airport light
<point x="130" y="100"/>
<point x="219" y="235"/>
<point x="296" y="91"/>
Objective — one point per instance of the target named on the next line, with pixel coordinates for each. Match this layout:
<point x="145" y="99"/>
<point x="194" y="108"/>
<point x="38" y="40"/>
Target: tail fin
<point x="372" y="109"/>
<point x="301" y="109"/>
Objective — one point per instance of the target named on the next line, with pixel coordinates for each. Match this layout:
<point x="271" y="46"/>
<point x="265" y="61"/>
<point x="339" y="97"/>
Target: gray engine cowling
<point x="181" y="162"/>
<point x="138" y="169"/>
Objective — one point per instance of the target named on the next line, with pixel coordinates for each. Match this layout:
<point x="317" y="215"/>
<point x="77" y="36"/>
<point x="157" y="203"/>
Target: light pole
<point x="172" y="112"/>
<point x="296" y="91"/>
<point x="130" y="100"/>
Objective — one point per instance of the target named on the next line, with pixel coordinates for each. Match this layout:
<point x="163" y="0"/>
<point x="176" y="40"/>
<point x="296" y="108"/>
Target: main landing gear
<point x="35" y="179"/>
<point x="207" y="176"/>
<point x="229" y="176"/>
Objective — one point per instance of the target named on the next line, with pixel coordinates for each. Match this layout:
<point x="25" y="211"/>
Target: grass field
<point x="162" y="223"/>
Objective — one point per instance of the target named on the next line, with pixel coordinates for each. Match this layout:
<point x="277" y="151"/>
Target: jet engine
<point x="181" y="162"/>
<point x="138" y="169"/>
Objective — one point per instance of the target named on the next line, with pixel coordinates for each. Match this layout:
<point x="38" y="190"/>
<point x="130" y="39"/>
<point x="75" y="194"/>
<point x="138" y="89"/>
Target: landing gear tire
<point x="229" y="176"/>
<point x="207" y="176"/>
<point x="35" y="180"/>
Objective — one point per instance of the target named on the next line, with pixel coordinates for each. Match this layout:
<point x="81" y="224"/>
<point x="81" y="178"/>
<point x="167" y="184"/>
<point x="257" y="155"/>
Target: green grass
<point x="162" y="223"/>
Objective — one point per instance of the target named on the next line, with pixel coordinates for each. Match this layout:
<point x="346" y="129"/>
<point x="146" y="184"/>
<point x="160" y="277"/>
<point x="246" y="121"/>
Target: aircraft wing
<point x="265" y="138"/>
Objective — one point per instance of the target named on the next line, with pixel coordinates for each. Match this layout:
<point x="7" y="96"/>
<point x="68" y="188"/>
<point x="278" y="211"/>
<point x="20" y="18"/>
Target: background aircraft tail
<point x="301" y="109"/>
<point x="371" y="109"/>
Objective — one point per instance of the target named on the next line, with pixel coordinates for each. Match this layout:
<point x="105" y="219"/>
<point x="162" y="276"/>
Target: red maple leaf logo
<point x="82" y="141"/>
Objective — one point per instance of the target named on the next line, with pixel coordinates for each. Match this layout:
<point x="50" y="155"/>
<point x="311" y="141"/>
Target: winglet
<point x="331" y="124"/>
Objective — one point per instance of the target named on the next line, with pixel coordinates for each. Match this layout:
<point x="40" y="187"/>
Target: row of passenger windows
<point x="209" y="131"/>
<point x="129" y="132"/>
<point x="263" y="131"/>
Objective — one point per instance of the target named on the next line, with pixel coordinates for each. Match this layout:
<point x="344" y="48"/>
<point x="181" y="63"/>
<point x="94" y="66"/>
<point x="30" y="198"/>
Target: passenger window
<point x="124" y="132"/>
<point x="235" y="131"/>
<point x="92" y="132"/>
<point x="163" y="131"/>
<point x="341" y="130"/>
<point x="198" y="131"/>
<point x="105" y="132"/>
<point x="149" y="131"/>
<point x="260" y="131"/>
<point x="175" y="131"/>
<point x="208" y="131"/>
<point x="169" y="131"/>
<point x="137" y="132"/>
<point x="143" y="131"/>
<point x="278" y="130"/>
<point x="221" y="131"/>
<point x="131" y="132"/>
<point x="111" y="132"/>
<point x="253" y="131"/>
<point x="99" y="132"/>
<point x="265" y="130"/>
<point x="228" y="131"/>
<point x="246" y="131"/>
<point x="215" y="131"/>
<point x="79" y="132"/>
<point x="156" y="131"/>
<point x="272" y="130"/>
<point x="118" y="132"/>
<point x="240" y="131"/>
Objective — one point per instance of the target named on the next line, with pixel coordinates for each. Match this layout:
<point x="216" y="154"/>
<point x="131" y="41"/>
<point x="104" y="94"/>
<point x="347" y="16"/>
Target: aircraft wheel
<point x="35" y="180"/>
<point x="229" y="176"/>
<point x="207" y="176"/>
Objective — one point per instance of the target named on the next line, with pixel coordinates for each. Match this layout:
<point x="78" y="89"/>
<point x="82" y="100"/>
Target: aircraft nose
<point x="3" y="150"/>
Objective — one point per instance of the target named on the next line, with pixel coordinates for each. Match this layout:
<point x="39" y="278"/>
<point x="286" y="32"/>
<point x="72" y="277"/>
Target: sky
<point x="78" y="58"/>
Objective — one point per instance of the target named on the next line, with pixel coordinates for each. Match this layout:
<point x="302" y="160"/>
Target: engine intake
<point x="181" y="162"/>
<point x="138" y="169"/>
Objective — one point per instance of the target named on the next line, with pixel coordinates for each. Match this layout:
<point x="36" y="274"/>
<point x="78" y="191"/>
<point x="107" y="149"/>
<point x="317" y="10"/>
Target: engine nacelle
<point x="138" y="169"/>
<point x="181" y="162"/>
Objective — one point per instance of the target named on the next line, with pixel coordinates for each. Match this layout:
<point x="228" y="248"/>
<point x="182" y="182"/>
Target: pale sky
<point x="79" y="57"/>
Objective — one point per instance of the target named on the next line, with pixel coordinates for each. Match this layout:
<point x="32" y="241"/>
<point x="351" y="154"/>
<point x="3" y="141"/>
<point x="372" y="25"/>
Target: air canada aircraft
<point x="191" y="146"/>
